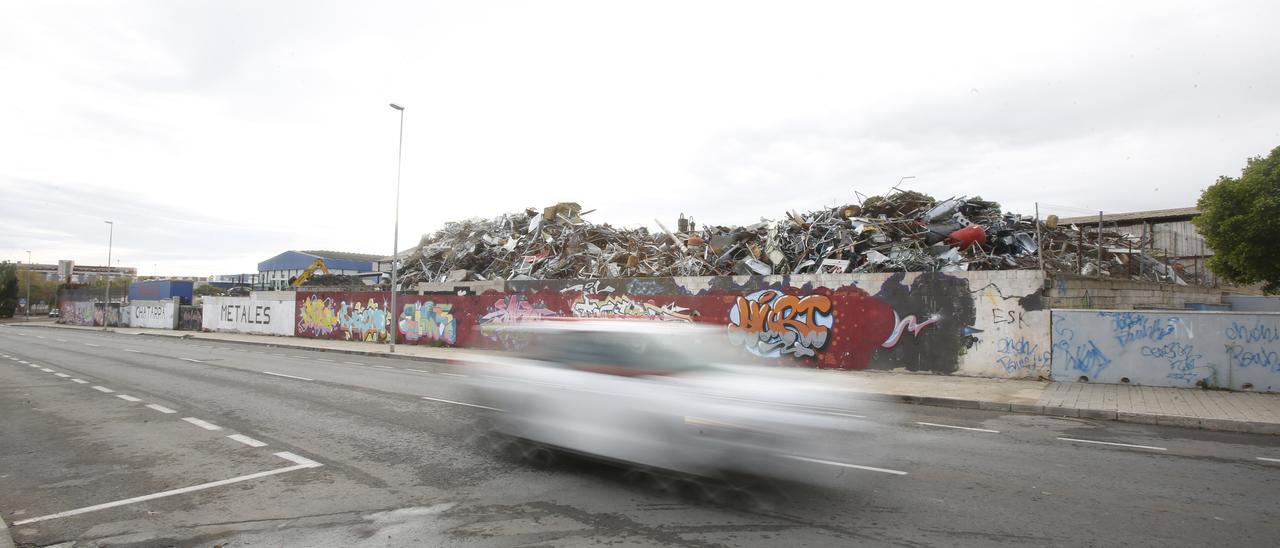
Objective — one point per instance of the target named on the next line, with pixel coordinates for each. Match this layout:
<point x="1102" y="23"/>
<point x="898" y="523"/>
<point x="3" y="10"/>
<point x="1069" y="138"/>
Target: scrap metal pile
<point x="904" y="231"/>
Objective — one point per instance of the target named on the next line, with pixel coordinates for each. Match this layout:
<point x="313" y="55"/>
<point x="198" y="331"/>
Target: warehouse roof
<point x="1155" y="215"/>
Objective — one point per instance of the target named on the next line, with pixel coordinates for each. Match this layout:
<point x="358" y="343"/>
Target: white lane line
<point x="39" y="336"/>
<point x="46" y="370"/>
<point x="291" y="457"/>
<point x="63" y="375"/>
<point x="91" y="344"/>
<point x="79" y="381"/>
<point x="452" y="374"/>
<point x="957" y="427"/>
<point x="202" y="424"/>
<point x="190" y="360"/>
<point x="384" y="367"/>
<point x="127" y="397"/>
<point x="299" y="460"/>
<point x="353" y="363"/>
<point x="847" y="465"/>
<point x="1268" y="459"/>
<point x="288" y="376"/>
<point x="160" y="408"/>
<point x="20" y="361"/>
<point x="1116" y="444"/>
<point x="324" y="360"/>
<point x="132" y="350"/>
<point x="298" y="357"/>
<point x="418" y="370"/>
<point x="35" y="365"/>
<point x="461" y="403"/>
<point x="103" y="389"/>
<point x="61" y="340"/>
<point x="247" y="440"/>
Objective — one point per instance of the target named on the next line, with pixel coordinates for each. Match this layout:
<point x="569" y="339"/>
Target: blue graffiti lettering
<point x="1130" y="327"/>
<point x="1019" y="354"/>
<point x="1086" y="358"/>
<point x="1258" y="333"/>
<point x="1262" y="358"/>
<point x="1182" y="361"/>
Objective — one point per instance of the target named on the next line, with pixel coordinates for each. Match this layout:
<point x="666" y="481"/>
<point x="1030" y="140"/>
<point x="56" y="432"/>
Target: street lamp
<point x="28" y="307"/>
<point x="395" y="242"/>
<point x="106" y="306"/>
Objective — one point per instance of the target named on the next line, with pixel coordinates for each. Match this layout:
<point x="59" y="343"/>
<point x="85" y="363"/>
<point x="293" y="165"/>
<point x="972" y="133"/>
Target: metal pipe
<point x="1099" y="244"/>
<point x="106" y="306"/>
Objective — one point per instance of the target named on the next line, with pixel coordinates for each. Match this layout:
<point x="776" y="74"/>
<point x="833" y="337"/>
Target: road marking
<point x="202" y="424"/>
<point x="91" y="344"/>
<point x="103" y="389"/>
<point x="79" y="381"/>
<point x="190" y="360"/>
<point x="160" y="408"/>
<point x="418" y="370"/>
<point x="353" y="363"/>
<point x="847" y="465"/>
<point x="20" y="361"/>
<point x="452" y="374"/>
<point x="324" y="360"/>
<point x="1268" y="460"/>
<point x="288" y="376"/>
<point x="301" y="463"/>
<point x="46" y="369"/>
<point x="35" y="365"/>
<point x="958" y="427"/>
<point x="132" y="350"/>
<point x="298" y="357"/>
<point x="63" y="375"/>
<point x="61" y="340"/>
<point x="1117" y="444"/>
<point x="384" y="367"/>
<point x="247" y="440"/>
<point x="461" y="403"/>
<point x="127" y="397"/>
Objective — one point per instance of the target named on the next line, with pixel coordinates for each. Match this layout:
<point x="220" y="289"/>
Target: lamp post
<point x="395" y="242"/>
<point x="28" y="307"/>
<point x="106" y="306"/>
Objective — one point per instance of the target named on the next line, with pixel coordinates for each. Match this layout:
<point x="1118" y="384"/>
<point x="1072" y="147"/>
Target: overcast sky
<point x="218" y="134"/>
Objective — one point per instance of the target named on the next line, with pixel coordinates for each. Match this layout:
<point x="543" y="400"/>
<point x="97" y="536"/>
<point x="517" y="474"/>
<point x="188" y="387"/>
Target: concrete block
<point x="1026" y="408"/>
<point x="1141" y="418"/>
<point x="993" y="406"/>
<point x="1099" y="414"/>
<point x="1062" y="411"/>
<point x="1180" y="420"/>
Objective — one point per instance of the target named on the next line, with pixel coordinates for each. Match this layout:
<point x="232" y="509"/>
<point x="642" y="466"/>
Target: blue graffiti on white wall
<point x="1182" y="360"/>
<point x="1132" y="327"/>
<point x="1021" y="354"/>
<point x="1247" y="346"/>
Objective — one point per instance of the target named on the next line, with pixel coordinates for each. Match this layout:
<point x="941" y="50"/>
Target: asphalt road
<point x="238" y="445"/>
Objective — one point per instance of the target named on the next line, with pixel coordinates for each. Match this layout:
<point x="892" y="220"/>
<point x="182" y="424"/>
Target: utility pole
<point x="28" y="307"/>
<point x="106" y="306"/>
<point x="394" y="313"/>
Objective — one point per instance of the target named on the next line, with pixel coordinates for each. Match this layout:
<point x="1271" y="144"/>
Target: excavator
<point x="306" y="274"/>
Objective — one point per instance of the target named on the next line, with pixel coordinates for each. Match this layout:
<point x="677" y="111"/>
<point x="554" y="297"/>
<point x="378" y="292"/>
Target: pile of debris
<point x="905" y="231"/>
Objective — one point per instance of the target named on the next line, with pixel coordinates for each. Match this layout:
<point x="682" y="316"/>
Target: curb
<point x="1182" y="421"/>
<point x="6" y="541"/>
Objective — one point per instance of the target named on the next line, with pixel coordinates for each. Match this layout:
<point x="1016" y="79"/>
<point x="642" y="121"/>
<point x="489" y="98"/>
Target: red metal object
<point x="967" y="236"/>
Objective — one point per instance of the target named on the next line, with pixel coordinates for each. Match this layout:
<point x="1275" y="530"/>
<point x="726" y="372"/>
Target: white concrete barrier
<point x="249" y="315"/>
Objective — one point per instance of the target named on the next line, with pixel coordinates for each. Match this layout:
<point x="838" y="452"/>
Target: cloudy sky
<point x="217" y="134"/>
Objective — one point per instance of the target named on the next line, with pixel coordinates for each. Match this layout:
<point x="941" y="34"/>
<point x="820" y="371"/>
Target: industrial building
<point x="278" y="272"/>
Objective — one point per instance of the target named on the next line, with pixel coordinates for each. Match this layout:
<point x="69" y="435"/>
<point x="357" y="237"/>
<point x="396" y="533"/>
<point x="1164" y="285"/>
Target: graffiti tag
<point x="430" y="322"/>
<point x="316" y="315"/>
<point x="769" y="323"/>
<point x="622" y="306"/>
<point x="367" y="323"/>
<point x="1181" y="358"/>
<point x="515" y="308"/>
<point x="1130" y="327"/>
<point x="1020" y="354"/>
<point x="906" y="324"/>
<point x="1086" y="358"/>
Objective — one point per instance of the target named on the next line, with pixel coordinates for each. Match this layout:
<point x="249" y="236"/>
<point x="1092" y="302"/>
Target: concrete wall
<point x="88" y="313"/>
<point x="967" y="323"/>
<point x="1075" y="292"/>
<point x="252" y="314"/>
<point x="151" y="314"/>
<point x="190" y="317"/>
<point x="1168" y="348"/>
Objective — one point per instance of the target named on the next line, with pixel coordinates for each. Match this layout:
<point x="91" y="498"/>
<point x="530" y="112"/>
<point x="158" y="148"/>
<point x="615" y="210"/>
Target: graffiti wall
<point x="253" y="314"/>
<point x="88" y="313"/>
<point x="980" y="323"/>
<point x="150" y="314"/>
<point x="1163" y="348"/>
<point x="191" y="317"/>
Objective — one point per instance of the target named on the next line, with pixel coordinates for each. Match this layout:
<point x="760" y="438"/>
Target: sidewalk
<point x="1192" y="408"/>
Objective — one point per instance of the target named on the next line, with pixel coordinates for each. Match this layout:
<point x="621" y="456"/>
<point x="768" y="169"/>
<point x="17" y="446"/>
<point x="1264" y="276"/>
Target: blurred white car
<point x="661" y="395"/>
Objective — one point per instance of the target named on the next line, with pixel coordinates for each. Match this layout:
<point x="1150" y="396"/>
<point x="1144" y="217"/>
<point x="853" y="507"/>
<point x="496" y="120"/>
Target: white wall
<point x="249" y="315"/>
<point x="151" y="314"/>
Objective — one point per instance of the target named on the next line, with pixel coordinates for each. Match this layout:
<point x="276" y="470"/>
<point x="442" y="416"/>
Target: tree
<point x="1240" y="220"/>
<point x="206" y="290"/>
<point x="8" y="289"/>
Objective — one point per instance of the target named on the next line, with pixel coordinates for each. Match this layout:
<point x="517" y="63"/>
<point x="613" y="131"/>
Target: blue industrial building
<point x="276" y="272"/>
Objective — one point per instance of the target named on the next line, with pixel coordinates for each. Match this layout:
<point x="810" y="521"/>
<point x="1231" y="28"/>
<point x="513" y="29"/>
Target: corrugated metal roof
<point x="342" y="255"/>
<point x="1178" y="213"/>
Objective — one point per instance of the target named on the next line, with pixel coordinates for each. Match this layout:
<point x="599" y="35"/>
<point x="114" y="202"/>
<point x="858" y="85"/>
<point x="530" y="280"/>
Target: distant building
<point x="70" y="271"/>
<point x="228" y="281"/>
<point x="277" y="272"/>
<point x="1169" y="233"/>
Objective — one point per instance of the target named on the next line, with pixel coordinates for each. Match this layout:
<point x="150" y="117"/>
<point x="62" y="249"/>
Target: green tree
<point x="1240" y="220"/>
<point x="8" y="289"/>
<point x="209" y="290"/>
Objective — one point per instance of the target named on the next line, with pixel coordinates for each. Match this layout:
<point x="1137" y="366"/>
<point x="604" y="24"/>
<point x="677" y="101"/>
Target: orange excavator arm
<point x="306" y="274"/>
